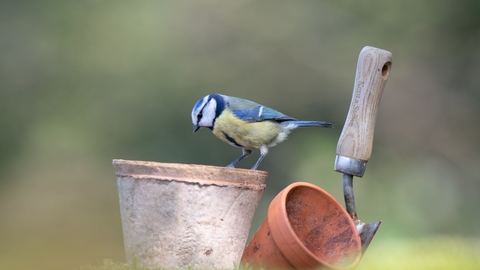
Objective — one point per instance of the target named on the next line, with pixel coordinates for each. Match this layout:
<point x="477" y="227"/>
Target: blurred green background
<point x="84" y="82"/>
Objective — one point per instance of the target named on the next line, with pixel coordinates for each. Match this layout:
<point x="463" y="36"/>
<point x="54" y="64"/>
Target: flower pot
<point x="180" y="215"/>
<point x="306" y="228"/>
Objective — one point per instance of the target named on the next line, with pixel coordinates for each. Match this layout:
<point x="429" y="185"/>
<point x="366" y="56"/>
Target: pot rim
<point x="190" y="173"/>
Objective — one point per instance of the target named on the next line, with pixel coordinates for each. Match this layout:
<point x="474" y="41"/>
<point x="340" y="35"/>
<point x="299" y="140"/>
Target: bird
<point x="245" y="124"/>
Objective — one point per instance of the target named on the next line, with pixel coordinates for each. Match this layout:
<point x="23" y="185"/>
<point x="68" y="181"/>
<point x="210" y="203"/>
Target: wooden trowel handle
<point x="373" y="68"/>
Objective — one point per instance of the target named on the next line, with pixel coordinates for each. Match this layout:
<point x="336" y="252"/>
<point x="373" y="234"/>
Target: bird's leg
<point x="245" y="153"/>
<point x="263" y="153"/>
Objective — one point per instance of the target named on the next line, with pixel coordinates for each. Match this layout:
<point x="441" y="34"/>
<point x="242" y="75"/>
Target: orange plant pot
<point x="306" y="228"/>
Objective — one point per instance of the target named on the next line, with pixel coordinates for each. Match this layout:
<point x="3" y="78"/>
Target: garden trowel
<point x="355" y="143"/>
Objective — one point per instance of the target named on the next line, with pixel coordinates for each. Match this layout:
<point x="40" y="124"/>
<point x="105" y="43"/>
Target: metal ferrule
<point x="351" y="166"/>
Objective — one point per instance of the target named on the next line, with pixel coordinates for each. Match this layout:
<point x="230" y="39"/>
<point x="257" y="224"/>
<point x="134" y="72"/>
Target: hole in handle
<point x="386" y="69"/>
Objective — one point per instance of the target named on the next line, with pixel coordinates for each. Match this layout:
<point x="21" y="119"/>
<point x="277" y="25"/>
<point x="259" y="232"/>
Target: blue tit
<point x="245" y="124"/>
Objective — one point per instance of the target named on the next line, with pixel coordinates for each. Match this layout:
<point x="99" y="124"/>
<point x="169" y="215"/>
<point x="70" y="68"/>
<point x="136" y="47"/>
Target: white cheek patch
<point x="208" y="114"/>
<point x="197" y="109"/>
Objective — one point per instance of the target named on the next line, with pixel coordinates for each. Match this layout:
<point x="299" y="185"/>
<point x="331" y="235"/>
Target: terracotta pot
<point x="306" y="228"/>
<point x="185" y="215"/>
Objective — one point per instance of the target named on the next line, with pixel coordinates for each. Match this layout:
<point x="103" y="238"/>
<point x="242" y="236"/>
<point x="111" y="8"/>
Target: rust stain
<point x="256" y="247"/>
<point x="209" y="251"/>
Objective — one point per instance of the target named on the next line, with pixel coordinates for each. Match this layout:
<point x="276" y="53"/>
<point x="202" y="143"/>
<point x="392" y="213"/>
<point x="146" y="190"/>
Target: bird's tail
<point x="295" y="124"/>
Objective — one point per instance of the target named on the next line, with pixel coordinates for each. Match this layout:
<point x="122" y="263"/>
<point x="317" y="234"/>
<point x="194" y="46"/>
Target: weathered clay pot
<point x="306" y="228"/>
<point x="181" y="215"/>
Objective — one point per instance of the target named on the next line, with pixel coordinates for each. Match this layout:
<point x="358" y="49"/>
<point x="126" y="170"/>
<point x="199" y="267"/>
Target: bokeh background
<point x="84" y="82"/>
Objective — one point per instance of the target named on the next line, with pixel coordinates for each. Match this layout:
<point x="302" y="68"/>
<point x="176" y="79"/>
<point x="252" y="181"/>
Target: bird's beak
<point x="195" y="128"/>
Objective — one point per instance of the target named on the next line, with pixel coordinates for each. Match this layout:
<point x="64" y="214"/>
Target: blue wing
<point x="250" y="111"/>
<point x="261" y="113"/>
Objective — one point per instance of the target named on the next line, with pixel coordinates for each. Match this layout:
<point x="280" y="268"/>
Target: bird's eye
<point x="199" y="116"/>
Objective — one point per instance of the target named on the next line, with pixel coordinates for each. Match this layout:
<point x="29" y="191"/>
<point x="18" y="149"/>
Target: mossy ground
<point x="435" y="253"/>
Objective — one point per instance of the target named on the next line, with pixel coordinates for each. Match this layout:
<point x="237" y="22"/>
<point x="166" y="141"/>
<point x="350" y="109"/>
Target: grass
<point x="423" y="254"/>
<point x="111" y="265"/>
<point x="431" y="253"/>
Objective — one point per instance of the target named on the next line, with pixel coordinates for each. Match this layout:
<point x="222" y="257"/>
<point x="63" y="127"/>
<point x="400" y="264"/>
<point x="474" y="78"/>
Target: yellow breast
<point x="239" y="133"/>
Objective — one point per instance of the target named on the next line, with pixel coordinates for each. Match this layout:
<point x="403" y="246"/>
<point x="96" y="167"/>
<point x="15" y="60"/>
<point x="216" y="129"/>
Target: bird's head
<point x="206" y="110"/>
